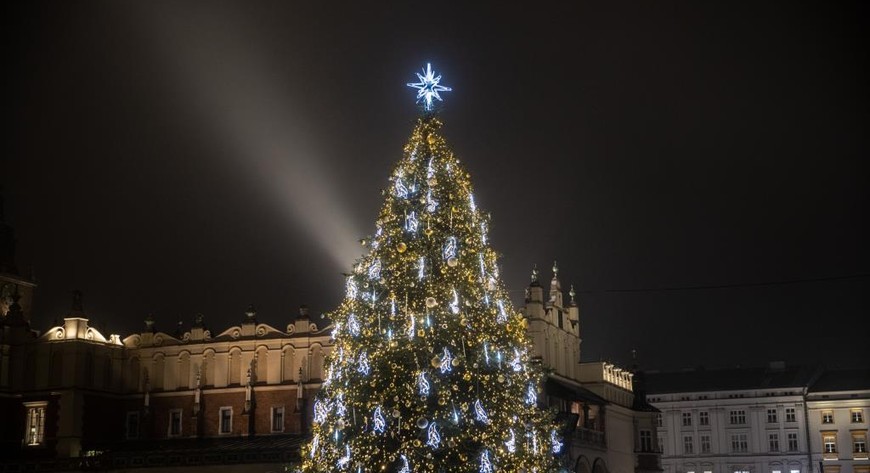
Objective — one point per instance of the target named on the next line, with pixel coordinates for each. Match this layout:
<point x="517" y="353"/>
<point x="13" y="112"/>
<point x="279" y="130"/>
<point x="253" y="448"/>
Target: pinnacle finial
<point x="572" y="293"/>
<point x="535" y="273"/>
<point x="251" y="312"/>
<point x="555" y="268"/>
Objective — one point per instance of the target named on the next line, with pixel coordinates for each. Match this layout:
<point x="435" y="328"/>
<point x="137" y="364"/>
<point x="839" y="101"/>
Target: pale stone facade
<point x="838" y="405"/>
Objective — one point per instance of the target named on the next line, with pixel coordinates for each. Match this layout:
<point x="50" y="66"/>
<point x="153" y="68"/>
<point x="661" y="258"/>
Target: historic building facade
<point x="776" y="419"/>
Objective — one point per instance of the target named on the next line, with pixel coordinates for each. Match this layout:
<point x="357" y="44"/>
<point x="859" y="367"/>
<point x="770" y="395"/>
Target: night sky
<point x="699" y="171"/>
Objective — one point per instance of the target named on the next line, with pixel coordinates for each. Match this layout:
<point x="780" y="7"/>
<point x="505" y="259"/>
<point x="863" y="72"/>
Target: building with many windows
<point x="762" y="420"/>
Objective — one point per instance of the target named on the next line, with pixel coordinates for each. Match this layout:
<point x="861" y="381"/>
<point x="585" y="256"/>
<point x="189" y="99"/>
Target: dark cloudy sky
<point x="181" y="157"/>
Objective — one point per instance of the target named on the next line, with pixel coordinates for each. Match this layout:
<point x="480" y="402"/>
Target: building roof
<point x="730" y="379"/>
<point x="842" y="380"/>
<point x="571" y="392"/>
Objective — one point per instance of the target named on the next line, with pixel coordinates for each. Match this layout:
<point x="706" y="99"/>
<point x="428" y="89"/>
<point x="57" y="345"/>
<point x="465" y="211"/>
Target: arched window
<point x="316" y="363"/>
<point x="206" y="372"/>
<point x="157" y="372"/>
<point x="235" y="362"/>
<point x="183" y="370"/>
<point x="289" y="372"/>
<point x="262" y="365"/>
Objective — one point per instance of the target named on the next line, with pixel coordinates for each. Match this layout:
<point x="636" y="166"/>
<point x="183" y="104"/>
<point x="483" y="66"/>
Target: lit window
<point x="775" y="471"/>
<point x="830" y="442"/>
<point x="687" y="419"/>
<point x="705" y="444"/>
<point x="857" y="415"/>
<point x="175" y="422"/>
<point x="827" y="417"/>
<point x="34" y="434"/>
<point x="688" y="447"/>
<point x="771" y="416"/>
<point x="790" y="415"/>
<point x="703" y="418"/>
<point x="859" y="443"/>
<point x="226" y="417"/>
<point x="278" y="419"/>
<point x="739" y="443"/>
<point x="792" y="441"/>
<point x="132" y="425"/>
<point x="738" y="417"/>
<point x="773" y="442"/>
<point x="794" y="471"/>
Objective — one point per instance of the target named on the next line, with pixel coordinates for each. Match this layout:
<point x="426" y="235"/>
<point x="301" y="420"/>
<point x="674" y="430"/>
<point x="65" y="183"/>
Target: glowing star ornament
<point x="434" y="438"/>
<point x="428" y="87"/>
<point x="378" y="422"/>
<point x="486" y="463"/>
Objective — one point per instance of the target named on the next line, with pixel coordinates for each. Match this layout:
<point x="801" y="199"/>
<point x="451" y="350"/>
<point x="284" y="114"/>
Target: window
<point x="226" y="417"/>
<point x="703" y="418"/>
<point x="34" y="433"/>
<point x="705" y="444"/>
<point x="738" y="417"/>
<point x="773" y="442"/>
<point x="859" y="443"/>
<point x="857" y="416"/>
<point x="827" y="417"/>
<point x="688" y="447"/>
<point x="771" y="416"/>
<point x="174" y="422"/>
<point x="661" y="440"/>
<point x="794" y="471"/>
<point x="775" y="471"/>
<point x="830" y="443"/>
<point x="132" y="425"/>
<point x="278" y="419"/>
<point x="792" y="441"/>
<point x="789" y="414"/>
<point x="659" y="420"/>
<point x="739" y="443"/>
<point x="687" y="419"/>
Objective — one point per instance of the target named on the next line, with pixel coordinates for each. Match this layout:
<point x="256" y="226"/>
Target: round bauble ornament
<point x="395" y="398"/>
<point x="428" y="232"/>
<point x="422" y="423"/>
<point x="340" y="423"/>
<point x="501" y="378"/>
<point x="491" y="285"/>
<point x="394" y="343"/>
<point x="396" y="413"/>
<point x="454" y="209"/>
<point x="475" y="366"/>
<point x="421" y="333"/>
<point x="401" y="247"/>
<point x="417" y="443"/>
<point x="451" y="443"/>
<point x="452" y="262"/>
<point x="432" y="181"/>
<point x="431" y="302"/>
<point x="455" y="362"/>
<point x="431" y="139"/>
<point x="467" y="376"/>
<point x="435" y="361"/>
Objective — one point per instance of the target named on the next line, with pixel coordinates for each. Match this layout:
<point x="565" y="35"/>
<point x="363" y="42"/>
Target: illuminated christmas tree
<point x="431" y="370"/>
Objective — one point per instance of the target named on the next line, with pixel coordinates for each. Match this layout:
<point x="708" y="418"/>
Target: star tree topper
<point x="428" y="87"/>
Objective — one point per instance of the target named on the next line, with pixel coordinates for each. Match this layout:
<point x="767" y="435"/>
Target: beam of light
<point x="249" y="114"/>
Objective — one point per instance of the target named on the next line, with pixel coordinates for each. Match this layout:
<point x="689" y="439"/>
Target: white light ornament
<point x="375" y="270"/>
<point x="434" y="438"/>
<point x="363" y="364"/>
<point x="315" y="442"/>
<point x="531" y="395"/>
<point x="321" y="410"/>
<point x="422" y="384"/>
<point x="350" y="288"/>
<point x="345" y="460"/>
<point x="431" y="203"/>
<point x="353" y="325"/>
<point x="480" y="413"/>
<point x="454" y="304"/>
<point x="446" y="360"/>
<point x="411" y="222"/>
<point x="401" y="188"/>
<point x="428" y="87"/>
<point x="511" y="443"/>
<point x="482" y="266"/>
<point x="517" y="363"/>
<point x="471" y="203"/>
<point x="554" y="440"/>
<point x="483" y="232"/>
<point x="379" y="424"/>
<point x="411" y="327"/>
<point x="421" y="268"/>
<point x="486" y="463"/>
<point x="449" y="248"/>
<point x="340" y="407"/>
<point x="502" y="315"/>
<point x="430" y="169"/>
<point x="406" y="468"/>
